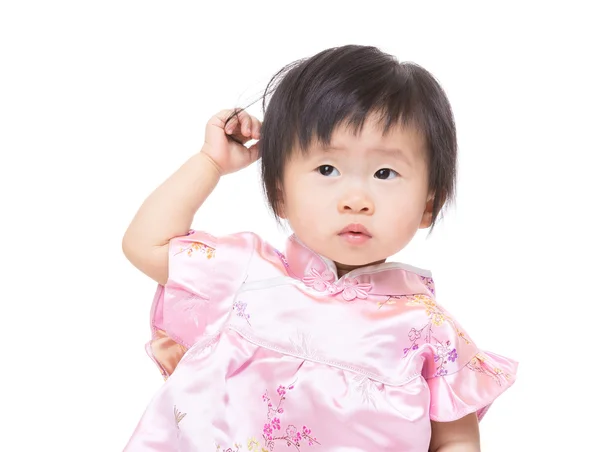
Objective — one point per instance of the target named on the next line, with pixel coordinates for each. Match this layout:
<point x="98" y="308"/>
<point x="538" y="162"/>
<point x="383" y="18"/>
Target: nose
<point x="357" y="202"/>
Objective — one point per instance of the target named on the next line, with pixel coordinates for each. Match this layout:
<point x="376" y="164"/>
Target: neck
<point x="342" y="269"/>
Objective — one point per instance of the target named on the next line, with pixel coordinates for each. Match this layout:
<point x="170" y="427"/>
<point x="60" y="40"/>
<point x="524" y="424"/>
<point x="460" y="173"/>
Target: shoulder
<point x="207" y="244"/>
<point x="229" y="253"/>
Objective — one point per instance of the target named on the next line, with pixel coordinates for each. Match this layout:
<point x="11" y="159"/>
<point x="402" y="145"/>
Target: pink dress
<point x="264" y="351"/>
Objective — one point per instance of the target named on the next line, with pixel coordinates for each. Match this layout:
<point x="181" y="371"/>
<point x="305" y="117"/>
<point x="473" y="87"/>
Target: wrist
<point x="213" y="167"/>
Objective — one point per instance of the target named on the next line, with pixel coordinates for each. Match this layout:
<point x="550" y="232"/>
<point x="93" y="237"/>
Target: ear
<point x="427" y="217"/>
<point x="280" y="205"/>
<point x="280" y="211"/>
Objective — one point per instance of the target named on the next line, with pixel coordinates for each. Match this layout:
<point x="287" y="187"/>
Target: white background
<point x="101" y="101"/>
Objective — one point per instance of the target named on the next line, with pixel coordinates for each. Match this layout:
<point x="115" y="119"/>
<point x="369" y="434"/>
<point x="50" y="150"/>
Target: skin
<point x="379" y="182"/>
<point x="392" y="207"/>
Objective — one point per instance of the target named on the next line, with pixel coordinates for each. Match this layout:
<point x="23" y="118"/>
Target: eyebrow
<point x="397" y="152"/>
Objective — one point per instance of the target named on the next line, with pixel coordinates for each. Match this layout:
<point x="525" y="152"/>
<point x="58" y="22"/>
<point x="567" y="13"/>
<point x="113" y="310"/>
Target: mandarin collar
<point x="388" y="279"/>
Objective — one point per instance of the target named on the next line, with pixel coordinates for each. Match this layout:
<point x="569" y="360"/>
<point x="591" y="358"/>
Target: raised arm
<point x="169" y="210"/>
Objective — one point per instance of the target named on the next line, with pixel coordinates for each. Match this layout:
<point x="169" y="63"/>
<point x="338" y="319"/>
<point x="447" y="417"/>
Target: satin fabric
<point x="270" y="351"/>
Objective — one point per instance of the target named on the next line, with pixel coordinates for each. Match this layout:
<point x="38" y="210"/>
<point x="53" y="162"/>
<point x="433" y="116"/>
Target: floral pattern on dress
<point x="235" y="448"/>
<point x="273" y="432"/>
<point x="292" y="436"/>
<point x="477" y="364"/>
<point x="283" y="259"/>
<point x="366" y="388"/>
<point x="428" y="283"/>
<point x="178" y="416"/>
<point x="445" y="351"/>
<point x="240" y="308"/>
<point x="192" y="308"/>
<point x="202" y="248"/>
<point x="303" y="345"/>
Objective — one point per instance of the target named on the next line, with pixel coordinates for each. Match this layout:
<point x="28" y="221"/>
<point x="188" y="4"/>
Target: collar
<point x="385" y="280"/>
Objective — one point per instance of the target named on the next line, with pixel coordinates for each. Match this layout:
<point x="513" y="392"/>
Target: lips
<point x="355" y="229"/>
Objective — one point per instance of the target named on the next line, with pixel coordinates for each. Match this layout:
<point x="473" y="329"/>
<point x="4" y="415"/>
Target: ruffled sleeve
<point x="194" y="304"/>
<point x="462" y="378"/>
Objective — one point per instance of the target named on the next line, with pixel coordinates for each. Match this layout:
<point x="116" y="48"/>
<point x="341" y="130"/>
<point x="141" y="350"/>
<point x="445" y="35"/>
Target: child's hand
<point x="225" y="144"/>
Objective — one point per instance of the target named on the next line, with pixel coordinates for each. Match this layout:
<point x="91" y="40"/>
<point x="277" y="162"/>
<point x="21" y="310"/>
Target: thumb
<point x="254" y="151"/>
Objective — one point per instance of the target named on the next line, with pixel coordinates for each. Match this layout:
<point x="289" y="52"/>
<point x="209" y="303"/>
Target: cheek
<point x="401" y="211"/>
<point x="304" y="205"/>
<point x="307" y="209"/>
<point x="296" y="198"/>
<point x="301" y="192"/>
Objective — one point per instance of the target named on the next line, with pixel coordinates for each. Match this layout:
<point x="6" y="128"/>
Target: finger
<point x="230" y="120"/>
<point x="226" y="120"/>
<point x="256" y="126"/>
<point x="224" y="114"/>
<point x="240" y="125"/>
<point x="239" y="137"/>
<point x="245" y="123"/>
<point x="254" y="152"/>
<point x="232" y="127"/>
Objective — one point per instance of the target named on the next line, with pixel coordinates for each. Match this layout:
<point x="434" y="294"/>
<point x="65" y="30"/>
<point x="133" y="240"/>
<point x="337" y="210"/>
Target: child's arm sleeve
<point x="462" y="378"/>
<point x="205" y="272"/>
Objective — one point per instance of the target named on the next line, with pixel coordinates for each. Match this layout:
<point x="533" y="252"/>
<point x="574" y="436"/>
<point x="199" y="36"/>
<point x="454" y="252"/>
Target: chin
<point x="358" y="261"/>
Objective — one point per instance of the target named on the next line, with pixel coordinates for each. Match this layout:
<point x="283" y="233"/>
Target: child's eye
<point x="386" y="173"/>
<point x="328" y="170"/>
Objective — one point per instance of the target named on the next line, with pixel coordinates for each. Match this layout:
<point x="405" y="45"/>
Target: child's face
<point x="375" y="181"/>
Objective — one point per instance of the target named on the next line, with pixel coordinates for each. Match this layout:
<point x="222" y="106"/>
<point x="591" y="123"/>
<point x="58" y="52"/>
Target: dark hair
<point x="311" y="97"/>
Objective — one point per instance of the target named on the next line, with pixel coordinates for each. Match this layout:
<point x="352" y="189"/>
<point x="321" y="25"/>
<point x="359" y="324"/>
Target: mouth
<point x="355" y="230"/>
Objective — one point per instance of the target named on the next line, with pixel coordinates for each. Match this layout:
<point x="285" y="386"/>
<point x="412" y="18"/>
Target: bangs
<point x="386" y="98"/>
<point x="316" y="99"/>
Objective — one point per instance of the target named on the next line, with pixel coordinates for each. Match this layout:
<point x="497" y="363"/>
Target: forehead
<point x="401" y="141"/>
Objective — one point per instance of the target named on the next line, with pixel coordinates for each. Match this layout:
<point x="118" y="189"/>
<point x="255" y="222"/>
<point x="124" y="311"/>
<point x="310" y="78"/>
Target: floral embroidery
<point x="429" y="283"/>
<point x="272" y="428"/>
<point x="366" y="387"/>
<point x="230" y="449"/>
<point x="350" y="288"/>
<point x="303" y="345"/>
<point x="443" y="355"/>
<point x="391" y="300"/>
<point x="444" y="350"/>
<point x="254" y="446"/>
<point x="240" y="307"/>
<point x="273" y="431"/>
<point x="178" y="415"/>
<point x="283" y="259"/>
<point x="496" y="373"/>
<point x="436" y="315"/>
<point x="190" y="305"/>
<point x="209" y="252"/>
